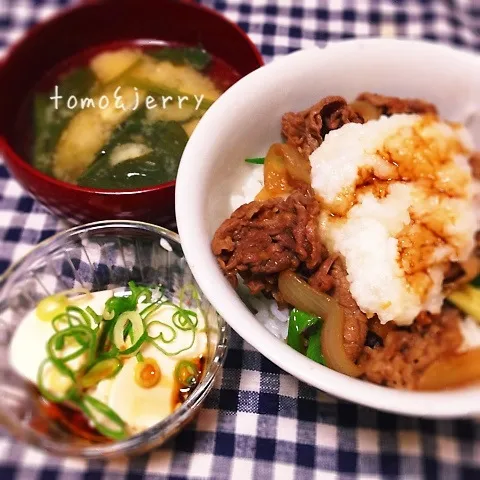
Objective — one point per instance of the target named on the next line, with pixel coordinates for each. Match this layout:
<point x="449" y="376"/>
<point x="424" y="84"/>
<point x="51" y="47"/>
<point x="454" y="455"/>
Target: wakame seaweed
<point x="166" y="140"/>
<point x="196" y="57"/>
<point x="138" y="149"/>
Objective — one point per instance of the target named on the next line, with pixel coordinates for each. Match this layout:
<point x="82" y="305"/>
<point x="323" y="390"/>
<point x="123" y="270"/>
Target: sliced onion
<point x="262" y="195"/>
<point x="366" y="110"/>
<point x="452" y="371"/>
<point x="275" y="172"/>
<point x="298" y="166"/>
<point x="298" y="293"/>
<point x="138" y="329"/>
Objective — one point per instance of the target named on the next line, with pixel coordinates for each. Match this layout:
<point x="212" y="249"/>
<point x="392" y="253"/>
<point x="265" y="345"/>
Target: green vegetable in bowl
<point x="256" y="160"/>
<point x="467" y="298"/>
<point x="314" y="348"/>
<point x="304" y="331"/>
<point x="196" y="57"/>
<point x="139" y="153"/>
<point x="132" y="113"/>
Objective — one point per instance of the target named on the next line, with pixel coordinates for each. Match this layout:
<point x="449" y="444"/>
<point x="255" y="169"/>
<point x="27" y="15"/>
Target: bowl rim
<point x="42" y="25"/>
<point x="162" y="430"/>
<point x="190" y="216"/>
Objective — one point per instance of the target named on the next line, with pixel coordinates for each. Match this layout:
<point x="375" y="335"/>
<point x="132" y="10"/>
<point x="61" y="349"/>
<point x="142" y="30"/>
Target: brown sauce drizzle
<point x="419" y="157"/>
<point x="63" y="421"/>
<point x="60" y="421"/>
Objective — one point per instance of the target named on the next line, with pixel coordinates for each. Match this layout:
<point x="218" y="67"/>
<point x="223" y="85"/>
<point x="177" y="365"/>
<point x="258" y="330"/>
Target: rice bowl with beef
<point x="214" y="180"/>
<point x="370" y="203"/>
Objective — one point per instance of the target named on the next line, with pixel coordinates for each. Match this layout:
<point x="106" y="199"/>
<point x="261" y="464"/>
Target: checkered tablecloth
<point x="259" y="422"/>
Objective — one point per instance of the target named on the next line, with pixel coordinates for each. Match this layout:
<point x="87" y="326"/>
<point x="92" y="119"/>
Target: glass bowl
<point x="96" y="256"/>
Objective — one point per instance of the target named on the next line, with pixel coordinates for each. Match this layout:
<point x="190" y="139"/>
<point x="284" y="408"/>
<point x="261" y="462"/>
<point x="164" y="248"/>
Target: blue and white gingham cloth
<point x="259" y="422"/>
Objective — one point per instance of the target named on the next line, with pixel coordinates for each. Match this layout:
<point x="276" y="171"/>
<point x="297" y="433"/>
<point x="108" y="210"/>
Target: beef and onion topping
<point x="357" y="238"/>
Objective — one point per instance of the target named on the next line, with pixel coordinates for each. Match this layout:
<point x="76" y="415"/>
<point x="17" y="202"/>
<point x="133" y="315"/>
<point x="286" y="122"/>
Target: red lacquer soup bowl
<point x="86" y="28"/>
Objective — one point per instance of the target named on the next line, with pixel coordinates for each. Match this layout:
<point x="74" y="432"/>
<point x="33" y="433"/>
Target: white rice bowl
<point x="213" y="180"/>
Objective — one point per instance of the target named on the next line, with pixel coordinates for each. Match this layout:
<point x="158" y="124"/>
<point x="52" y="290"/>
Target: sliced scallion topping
<point x="96" y="318"/>
<point x="79" y="314"/>
<point x="106" y="420"/>
<point x="132" y="350"/>
<point x="108" y="314"/>
<point x="140" y="292"/>
<point x="138" y="329"/>
<point x="186" y="373"/>
<point x="151" y="309"/>
<point x="185" y="319"/>
<point x="49" y="307"/>
<point x="42" y="375"/>
<point x="55" y="354"/>
<point x="100" y="371"/>
<point x="161" y="333"/>
<point x="87" y="348"/>
<point x="256" y="160"/>
<point x="182" y="320"/>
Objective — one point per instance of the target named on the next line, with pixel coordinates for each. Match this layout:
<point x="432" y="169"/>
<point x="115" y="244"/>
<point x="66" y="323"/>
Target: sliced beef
<point x="322" y="280"/>
<point x="391" y="105"/>
<point x="355" y="326"/>
<point x="407" y="352"/>
<point x="306" y="129"/>
<point x="380" y="329"/>
<point x="475" y="164"/>
<point x="263" y="238"/>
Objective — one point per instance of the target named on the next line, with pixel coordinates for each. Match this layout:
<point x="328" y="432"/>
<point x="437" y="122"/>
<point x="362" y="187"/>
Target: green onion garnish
<point x="106" y="421"/>
<point x="151" y="309"/>
<point x="138" y="329"/>
<point x="100" y="371"/>
<point x="256" y="160"/>
<point x="161" y="334"/>
<point x="182" y="319"/>
<point x="87" y="347"/>
<point x="96" y="318"/>
<point x="47" y="363"/>
<point x="304" y="333"/>
<point x="314" y="348"/>
<point x="185" y="319"/>
<point x="298" y="323"/>
<point x="186" y="373"/>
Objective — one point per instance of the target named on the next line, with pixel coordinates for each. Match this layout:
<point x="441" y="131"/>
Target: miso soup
<point x="119" y="117"/>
